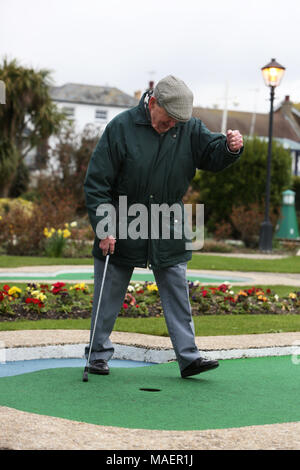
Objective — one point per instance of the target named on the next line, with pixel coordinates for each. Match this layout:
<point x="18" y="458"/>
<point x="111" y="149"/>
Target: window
<point x="70" y="112"/>
<point x="101" y="114"/>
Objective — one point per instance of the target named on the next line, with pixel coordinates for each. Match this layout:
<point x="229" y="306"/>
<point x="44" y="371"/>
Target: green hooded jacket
<point x="131" y="159"/>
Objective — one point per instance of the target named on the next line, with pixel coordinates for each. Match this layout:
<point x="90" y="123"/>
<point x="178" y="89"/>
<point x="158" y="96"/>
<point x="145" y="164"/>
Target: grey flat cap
<point x="175" y="97"/>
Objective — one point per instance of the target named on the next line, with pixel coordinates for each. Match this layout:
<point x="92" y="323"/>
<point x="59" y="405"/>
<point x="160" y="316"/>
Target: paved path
<point x="83" y="274"/>
<point x="30" y="338"/>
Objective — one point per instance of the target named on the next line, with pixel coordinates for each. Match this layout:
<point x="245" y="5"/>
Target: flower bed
<point x="38" y="301"/>
<point x="144" y="300"/>
<point x="57" y="301"/>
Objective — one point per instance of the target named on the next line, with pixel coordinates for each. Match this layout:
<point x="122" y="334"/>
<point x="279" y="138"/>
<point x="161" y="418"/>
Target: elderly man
<point x="150" y="154"/>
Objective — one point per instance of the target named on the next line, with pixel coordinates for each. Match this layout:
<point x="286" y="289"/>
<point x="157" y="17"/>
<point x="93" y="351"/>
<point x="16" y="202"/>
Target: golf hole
<point x="150" y="389"/>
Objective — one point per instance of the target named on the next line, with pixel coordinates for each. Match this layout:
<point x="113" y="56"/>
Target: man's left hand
<point x="234" y="140"/>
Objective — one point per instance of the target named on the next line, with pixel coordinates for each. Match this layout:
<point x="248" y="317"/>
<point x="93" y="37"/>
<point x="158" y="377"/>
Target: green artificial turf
<point x="205" y="325"/>
<point x="241" y="392"/>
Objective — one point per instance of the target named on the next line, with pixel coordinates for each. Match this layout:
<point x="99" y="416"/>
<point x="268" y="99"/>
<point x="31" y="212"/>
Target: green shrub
<point x="244" y="182"/>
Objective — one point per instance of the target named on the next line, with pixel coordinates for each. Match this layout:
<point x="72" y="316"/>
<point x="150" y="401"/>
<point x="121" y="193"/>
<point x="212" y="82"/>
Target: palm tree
<point x="26" y="120"/>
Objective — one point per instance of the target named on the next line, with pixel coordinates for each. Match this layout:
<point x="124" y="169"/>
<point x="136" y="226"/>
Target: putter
<point x="86" y="369"/>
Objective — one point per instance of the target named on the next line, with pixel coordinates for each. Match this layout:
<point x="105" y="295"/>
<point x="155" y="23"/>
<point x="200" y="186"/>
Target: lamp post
<point x="272" y="74"/>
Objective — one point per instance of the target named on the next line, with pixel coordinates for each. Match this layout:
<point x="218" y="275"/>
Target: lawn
<point x="214" y="325"/>
<point x="290" y="264"/>
<point x="7" y="261"/>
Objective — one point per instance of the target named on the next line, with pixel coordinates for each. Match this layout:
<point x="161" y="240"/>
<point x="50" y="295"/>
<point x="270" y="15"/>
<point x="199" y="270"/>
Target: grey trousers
<point x="174" y="295"/>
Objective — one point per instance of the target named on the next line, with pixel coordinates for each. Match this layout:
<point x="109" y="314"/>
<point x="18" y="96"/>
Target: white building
<point x="89" y="104"/>
<point x="84" y="105"/>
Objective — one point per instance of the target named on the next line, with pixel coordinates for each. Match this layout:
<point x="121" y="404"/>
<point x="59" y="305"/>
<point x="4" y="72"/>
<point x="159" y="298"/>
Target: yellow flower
<point x="35" y="293"/>
<point x="47" y="233"/>
<point x="242" y="292"/>
<point x="41" y="297"/>
<point x="263" y="298"/>
<point x="0" y="217"/>
<point x="59" y="231"/>
<point x="14" y="291"/>
<point x="259" y="293"/>
<point x="80" y="286"/>
<point x="67" y="225"/>
<point x="292" y="295"/>
<point x="152" y="287"/>
<point x="66" y="233"/>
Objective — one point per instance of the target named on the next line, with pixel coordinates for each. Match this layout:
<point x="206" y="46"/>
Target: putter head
<point x="85" y="377"/>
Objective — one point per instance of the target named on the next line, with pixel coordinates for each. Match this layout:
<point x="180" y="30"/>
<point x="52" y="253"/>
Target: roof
<point x="91" y="94"/>
<point x="240" y="120"/>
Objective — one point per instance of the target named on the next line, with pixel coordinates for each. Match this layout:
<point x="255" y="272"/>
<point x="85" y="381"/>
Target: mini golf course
<point x="241" y="392"/>
<point x="88" y="275"/>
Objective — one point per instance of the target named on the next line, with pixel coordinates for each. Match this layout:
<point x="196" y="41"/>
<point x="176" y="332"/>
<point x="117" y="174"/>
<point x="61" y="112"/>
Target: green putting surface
<point x="89" y="276"/>
<point x="241" y="392"/>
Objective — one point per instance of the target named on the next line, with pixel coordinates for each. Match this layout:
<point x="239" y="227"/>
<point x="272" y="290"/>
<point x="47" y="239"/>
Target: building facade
<point x="90" y="104"/>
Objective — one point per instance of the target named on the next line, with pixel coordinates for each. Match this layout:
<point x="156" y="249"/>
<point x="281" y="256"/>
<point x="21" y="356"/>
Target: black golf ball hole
<point x="150" y="389"/>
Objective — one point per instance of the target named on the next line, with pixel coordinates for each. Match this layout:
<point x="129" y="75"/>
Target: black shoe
<point x="99" y="366"/>
<point x="198" y="366"/>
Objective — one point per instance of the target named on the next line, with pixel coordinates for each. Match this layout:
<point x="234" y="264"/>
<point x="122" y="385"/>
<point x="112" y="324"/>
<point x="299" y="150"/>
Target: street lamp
<point x="272" y="74"/>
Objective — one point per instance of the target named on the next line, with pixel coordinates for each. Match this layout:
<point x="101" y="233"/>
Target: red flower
<point x="231" y="299"/>
<point x="125" y="305"/>
<point x="137" y="306"/>
<point x="30" y="300"/>
<point x="204" y="293"/>
<point x="1" y="296"/>
<point x="58" y="284"/>
<point x="223" y="287"/>
<point x="258" y="289"/>
<point x="268" y="291"/>
<point x="141" y="291"/>
<point x="6" y="288"/>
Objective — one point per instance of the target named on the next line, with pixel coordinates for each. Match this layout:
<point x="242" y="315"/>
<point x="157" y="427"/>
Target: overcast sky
<point x="127" y="43"/>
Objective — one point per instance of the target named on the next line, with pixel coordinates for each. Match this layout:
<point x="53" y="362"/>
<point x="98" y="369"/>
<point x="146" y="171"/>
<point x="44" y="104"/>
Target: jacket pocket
<point x="172" y="240"/>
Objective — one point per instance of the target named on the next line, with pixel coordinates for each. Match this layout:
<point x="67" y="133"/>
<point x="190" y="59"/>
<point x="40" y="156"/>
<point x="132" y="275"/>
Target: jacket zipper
<point x="151" y="197"/>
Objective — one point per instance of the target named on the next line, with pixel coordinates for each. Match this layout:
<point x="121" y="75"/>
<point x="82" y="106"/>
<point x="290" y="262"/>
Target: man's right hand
<point x="107" y="245"/>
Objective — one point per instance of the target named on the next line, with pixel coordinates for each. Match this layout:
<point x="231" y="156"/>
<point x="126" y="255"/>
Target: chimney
<point x="151" y="85"/>
<point x="286" y="106"/>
